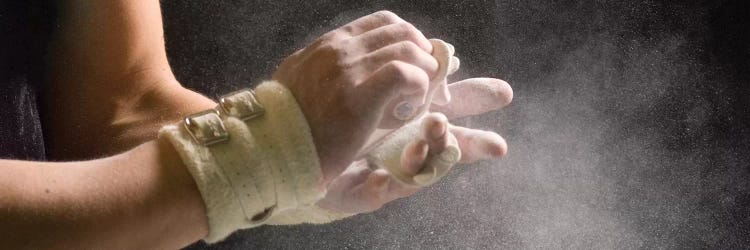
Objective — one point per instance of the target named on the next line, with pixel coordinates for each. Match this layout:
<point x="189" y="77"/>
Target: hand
<point x="359" y="189"/>
<point x="344" y="80"/>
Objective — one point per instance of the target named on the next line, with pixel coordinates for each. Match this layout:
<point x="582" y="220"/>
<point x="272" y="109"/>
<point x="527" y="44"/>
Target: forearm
<point x="110" y="39"/>
<point x="108" y="78"/>
<point x="141" y="199"/>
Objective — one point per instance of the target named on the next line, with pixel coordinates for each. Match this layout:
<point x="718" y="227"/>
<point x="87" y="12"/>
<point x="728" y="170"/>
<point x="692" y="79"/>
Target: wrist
<point x="251" y="157"/>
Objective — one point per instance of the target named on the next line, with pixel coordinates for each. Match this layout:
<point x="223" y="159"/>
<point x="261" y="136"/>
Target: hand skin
<point x="110" y="88"/>
<point x="344" y="80"/>
<point x="359" y="189"/>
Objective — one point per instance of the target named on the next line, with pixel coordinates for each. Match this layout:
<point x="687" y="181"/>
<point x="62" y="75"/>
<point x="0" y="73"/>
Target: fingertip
<point x="503" y="92"/>
<point x="499" y="147"/>
<point x="476" y="96"/>
<point x="500" y="92"/>
<point x="491" y="144"/>
<point x="434" y="126"/>
<point x="479" y="145"/>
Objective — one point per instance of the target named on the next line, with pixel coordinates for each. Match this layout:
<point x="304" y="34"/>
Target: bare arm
<point x="109" y="89"/>
<point x="110" y="86"/>
<point x="141" y="199"/>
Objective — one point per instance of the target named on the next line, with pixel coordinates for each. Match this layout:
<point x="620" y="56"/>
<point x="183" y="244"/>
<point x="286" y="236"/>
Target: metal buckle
<point x="241" y="104"/>
<point x="206" y="128"/>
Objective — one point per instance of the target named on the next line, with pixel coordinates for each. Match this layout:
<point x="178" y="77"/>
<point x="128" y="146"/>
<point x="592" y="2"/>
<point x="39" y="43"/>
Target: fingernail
<point x="438" y="131"/>
<point x="434" y="126"/>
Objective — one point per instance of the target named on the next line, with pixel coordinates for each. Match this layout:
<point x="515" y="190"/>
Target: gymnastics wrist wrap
<point x="250" y="162"/>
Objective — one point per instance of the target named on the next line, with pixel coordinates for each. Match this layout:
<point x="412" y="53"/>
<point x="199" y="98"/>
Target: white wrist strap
<point x="249" y="161"/>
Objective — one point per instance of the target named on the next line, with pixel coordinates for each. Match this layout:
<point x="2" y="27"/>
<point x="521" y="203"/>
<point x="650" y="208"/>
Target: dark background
<point x="627" y="129"/>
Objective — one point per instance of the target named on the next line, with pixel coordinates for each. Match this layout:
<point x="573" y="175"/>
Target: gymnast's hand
<point x="344" y="81"/>
<point x="360" y="189"/>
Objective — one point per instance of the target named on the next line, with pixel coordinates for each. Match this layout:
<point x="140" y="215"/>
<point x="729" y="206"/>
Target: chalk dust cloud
<point x="623" y="133"/>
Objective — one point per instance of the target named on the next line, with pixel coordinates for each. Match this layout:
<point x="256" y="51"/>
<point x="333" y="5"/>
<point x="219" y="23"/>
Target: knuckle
<point x="402" y="28"/>
<point x="349" y="29"/>
<point x="407" y="30"/>
<point x="408" y="48"/>
<point x="399" y="69"/>
<point x="331" y="36"/>
<point x="417" y="81"/>
<point x="408" y="75"/>
<point x="326" y="50"/>
<point x="418" y="76"/>
<point x="387" y="16"/>
<point x="330" y="53"/>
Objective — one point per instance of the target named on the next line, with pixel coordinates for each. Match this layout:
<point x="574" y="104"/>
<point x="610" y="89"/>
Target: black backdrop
<point x="627" y="128"/>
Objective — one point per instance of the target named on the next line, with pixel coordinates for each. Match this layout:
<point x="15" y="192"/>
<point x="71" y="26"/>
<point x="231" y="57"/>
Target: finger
<point x="379" y="189"/>
<point x="434" y="130"/>
<point x="377" y="181"/>
<point x="398" y="190"/>
<point x="372" y="193"/>
<point x="354" y="175"/>
<point x="405" y="51"/>
<point x="370" y="22"/>
<point x="393" y="33"/>
<point x="478" y="144"/>
<point x="414" y="156"/>
<point x="475" y="96"/>
<point x="394" y="80"/>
